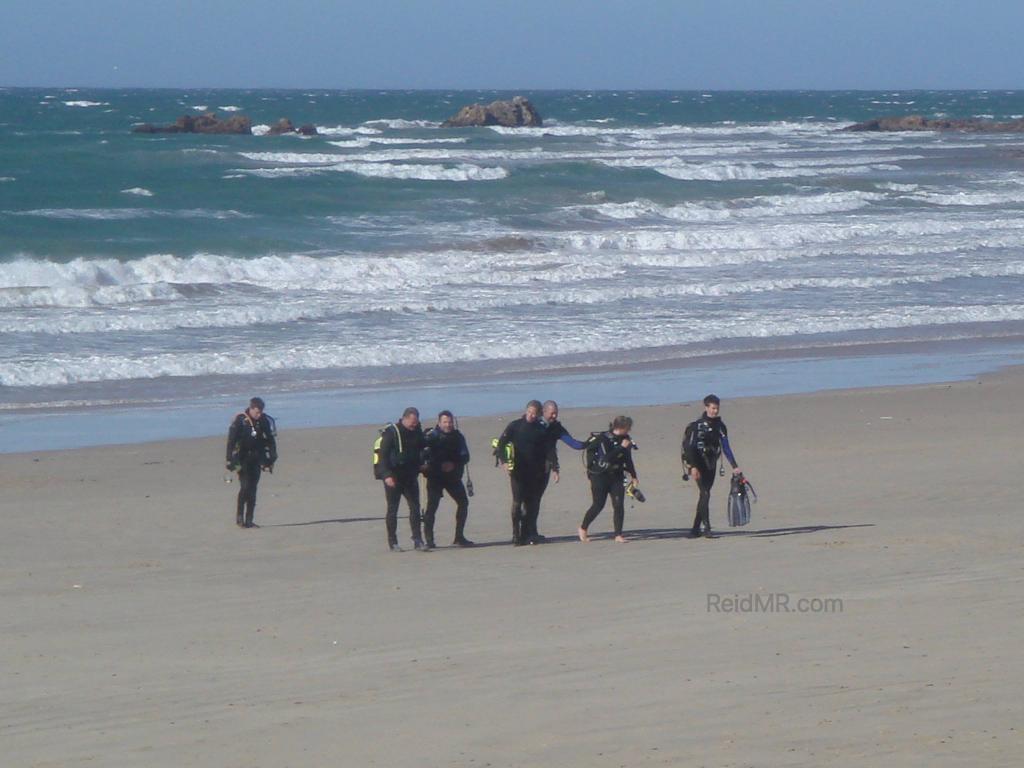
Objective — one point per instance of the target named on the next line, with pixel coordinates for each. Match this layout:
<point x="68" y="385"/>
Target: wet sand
<point x="142" y="628"/>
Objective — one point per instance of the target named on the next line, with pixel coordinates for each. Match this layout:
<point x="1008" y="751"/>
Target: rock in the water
<point x="284" y="125"/>
<point x="920" y="123"/>
<point x="517" y="113"/>
<point x="207" y="123"/>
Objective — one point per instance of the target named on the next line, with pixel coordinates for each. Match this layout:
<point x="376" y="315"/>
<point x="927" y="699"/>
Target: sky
<point x="514" y="44"/>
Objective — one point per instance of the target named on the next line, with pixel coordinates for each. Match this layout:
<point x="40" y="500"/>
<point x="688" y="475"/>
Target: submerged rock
<point x="921" y="123"/>
<point x="517" y="113"/>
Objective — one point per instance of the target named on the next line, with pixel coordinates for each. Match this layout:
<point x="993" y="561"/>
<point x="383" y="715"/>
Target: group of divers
<point x="526" y="449"/>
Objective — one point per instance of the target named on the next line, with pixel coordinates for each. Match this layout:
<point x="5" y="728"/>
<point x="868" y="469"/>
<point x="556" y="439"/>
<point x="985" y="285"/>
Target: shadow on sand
<point x="324" y="522"/>
<point x="637" y="534"/>
<point x="645" y="534"/>
<point x="654" y="534"/>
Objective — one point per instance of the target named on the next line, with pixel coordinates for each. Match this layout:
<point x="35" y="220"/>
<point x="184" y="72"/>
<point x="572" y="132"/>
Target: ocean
<point x="634" y="231"/>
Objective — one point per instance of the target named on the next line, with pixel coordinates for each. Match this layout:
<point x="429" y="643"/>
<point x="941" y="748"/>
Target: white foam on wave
<point x="7" y="178"/>
<point x="200" y="107"/>
<point x="894" y="187"/>
<point x="782" y="128"/>
<point x="260" y="130"/>
<point x="743" y="171"/>
<point x="140" y="191"/>
<point x="371" y="282"/>
<point x="401" y="155"/>
<point x="344" y="130"/>
<point x="971" y="198"/>
<point x="383" y="170"/>
<point x="69" y="296"/>
<point x="372" y="166"/>
<point x="398" y="124"/>
<point x="86" y="104"/>
<point x="124" y="214"/>
<point x="488" y="344"/>
<point x="675" y="160"/>
<point x="289" y="272"/>
<point x="555" y="292"/>
<point x="230" y="108"/>
<point x="754" y="207"/>
<point x="760" y="241"/>
<point x="372" y="140"/>
<point x="89" y="312"/>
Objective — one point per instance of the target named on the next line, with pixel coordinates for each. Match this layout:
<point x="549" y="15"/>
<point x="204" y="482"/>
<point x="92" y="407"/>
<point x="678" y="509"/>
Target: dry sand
<point x="142" y="628"/>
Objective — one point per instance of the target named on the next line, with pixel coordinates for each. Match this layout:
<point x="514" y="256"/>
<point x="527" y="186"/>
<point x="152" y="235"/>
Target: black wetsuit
<point x="531" y="464"/>
<point x="251" y="447"/>
<point x="442" y="448"/>
<point x="400" y="452"/>
<point x="555" y="431"/>
<point x="607" y="476"/>
<point x="703" y="442"/>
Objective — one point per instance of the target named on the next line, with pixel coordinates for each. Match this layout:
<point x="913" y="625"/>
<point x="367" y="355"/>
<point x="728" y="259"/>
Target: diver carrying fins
<point x="705" y="441"/>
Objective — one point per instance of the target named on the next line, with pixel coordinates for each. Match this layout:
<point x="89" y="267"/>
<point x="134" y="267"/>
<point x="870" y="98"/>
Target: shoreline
<point x="653" y="383"/>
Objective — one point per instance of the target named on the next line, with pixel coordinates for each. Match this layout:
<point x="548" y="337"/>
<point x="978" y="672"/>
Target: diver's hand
<point x="626" y="443"/>
<point x="737" y="471"/>
<point x="554" y="474"/>
<point x="695" y="474"/>
<point x="389" y="482"/>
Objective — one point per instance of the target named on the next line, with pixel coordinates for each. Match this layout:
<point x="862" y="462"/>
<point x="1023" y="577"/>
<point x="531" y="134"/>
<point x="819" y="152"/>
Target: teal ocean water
<point x="634" y="227"/>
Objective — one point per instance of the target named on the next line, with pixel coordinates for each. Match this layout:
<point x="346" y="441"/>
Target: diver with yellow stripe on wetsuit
<point x="524" y="450"/>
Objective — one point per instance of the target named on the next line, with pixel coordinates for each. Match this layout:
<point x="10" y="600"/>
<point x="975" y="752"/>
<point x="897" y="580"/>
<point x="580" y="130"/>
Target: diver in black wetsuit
<point x="446" y="456"/>
<point x="704" y="441"/>
<point x="556" y="431"/>
<point x="610" y="459"/>
<point x="400" y="462"/>
<point x="252" y="448"/>
<point x="527" y="464"/>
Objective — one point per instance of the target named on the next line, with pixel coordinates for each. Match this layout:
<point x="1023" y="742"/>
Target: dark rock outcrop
<point x="920" y="123"/>
<point x="286" y="126"/>
<point x="517" y="113"/>
<point x="207" y="123"/>
<point x="282" y="126"/>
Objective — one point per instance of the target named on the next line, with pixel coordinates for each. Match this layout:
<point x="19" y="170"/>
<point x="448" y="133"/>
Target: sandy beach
<point x="142" y="628"/>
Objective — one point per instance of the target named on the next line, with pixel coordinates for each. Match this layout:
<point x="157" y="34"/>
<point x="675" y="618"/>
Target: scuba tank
<point x="595" y="453"/>
<point x="506" y="456"/>
<point x="469" y="480"/>
<point x="378" y="468"/>
<point x="740" y="492"/>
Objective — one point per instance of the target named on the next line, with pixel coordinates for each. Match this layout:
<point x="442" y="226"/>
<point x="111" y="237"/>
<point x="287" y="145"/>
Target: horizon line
<point x="437" y="89"/>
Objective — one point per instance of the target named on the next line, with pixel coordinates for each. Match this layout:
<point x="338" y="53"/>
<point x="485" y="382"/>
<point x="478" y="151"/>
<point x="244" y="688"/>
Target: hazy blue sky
<point x="705" y="44"/>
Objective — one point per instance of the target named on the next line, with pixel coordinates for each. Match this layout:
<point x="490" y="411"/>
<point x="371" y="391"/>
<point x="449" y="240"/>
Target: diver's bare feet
<point x="582" y="533"/>
<point x="621" y="539"/>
